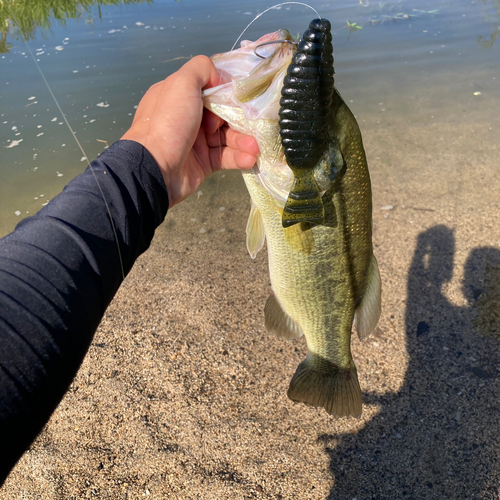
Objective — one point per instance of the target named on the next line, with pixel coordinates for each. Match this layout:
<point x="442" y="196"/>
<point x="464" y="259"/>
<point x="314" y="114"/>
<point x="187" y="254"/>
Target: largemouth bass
<point x="323" y="276"/>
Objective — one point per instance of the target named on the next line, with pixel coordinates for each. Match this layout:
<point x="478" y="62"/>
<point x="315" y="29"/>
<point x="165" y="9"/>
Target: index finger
<point x="203" y="69"/>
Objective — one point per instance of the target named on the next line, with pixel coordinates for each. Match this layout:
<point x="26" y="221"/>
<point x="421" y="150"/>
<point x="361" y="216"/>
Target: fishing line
<point x="81" y="149"/>
<point x="267" y="10"/>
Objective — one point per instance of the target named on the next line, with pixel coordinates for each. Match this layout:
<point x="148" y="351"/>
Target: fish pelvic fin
<point x="318" y="382"/>
<point x="368" y="312"/>
<point x="304" y="203"/>
<point x="256" y="234"/>
<point x="278" y="321"/>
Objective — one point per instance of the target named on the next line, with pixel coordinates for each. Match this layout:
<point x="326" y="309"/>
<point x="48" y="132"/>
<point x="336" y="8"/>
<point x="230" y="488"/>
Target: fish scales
<point x="322" y="276"/>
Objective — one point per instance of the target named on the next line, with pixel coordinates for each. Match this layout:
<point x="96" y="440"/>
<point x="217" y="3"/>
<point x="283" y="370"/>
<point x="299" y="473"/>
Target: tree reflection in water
<point x="22" y="18"/>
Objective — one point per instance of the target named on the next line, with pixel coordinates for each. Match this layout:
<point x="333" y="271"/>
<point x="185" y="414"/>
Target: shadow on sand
<point x="439" y="436"/>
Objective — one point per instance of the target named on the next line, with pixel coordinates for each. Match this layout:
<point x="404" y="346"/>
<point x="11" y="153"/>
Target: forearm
<point x="58" y="272"/>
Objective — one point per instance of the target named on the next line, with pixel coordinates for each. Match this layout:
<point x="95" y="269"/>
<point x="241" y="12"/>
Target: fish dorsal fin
<point x="278" y="321"/>
<point x="255" y="232"/>
<point x="300" y="237"/>
<point x="368" y="312"/>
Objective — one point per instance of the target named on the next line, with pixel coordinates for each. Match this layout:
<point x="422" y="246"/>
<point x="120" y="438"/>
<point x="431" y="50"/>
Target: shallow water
<point x="413" y="62"/>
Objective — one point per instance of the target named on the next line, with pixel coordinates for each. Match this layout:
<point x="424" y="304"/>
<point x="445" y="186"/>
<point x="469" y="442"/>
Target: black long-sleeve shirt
<point x="59" y="271"/>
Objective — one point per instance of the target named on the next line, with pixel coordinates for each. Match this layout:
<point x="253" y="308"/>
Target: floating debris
<point x="477" y="93"/>
<point x="59" y="47"/>
<point x="17" y="212"/>
<point x="54" y="119"/>
<point x="138" y="23"/>
<point x="102" y="105"/>
<point x="59" y="174"/>
<point x="84" y="158"/>
<point x="41" y="133"/>
<point x="14" y="143"/>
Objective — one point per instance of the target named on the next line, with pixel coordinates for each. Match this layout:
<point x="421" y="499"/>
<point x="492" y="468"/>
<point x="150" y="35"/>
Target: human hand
<point x="187" y="142"/>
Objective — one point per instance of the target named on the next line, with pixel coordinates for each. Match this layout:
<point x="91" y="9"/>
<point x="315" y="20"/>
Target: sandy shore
<point x="183" y="392"/>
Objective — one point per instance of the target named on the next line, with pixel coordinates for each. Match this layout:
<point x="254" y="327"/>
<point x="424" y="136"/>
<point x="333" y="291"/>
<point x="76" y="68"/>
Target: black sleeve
<point x="59" y="271"/>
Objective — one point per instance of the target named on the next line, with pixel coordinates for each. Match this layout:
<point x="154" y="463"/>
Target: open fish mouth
<point x="248" y="99"/>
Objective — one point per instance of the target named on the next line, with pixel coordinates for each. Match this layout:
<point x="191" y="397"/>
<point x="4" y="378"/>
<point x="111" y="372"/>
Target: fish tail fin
<point x="304" y="203"/>
<point x="326" y="385"/>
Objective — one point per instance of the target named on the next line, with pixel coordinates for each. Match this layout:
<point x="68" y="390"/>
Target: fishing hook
<point x="270" y="43"/>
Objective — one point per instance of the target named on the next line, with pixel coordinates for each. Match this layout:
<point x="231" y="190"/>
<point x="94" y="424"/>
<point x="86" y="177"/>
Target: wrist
<point x="148" y="142"/>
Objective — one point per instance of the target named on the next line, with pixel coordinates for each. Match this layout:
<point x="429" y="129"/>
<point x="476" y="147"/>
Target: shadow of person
<point x="438" y="436"/>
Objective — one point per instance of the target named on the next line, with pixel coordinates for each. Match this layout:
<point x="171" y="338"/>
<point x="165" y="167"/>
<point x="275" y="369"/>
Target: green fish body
<point x="325" y="276"/>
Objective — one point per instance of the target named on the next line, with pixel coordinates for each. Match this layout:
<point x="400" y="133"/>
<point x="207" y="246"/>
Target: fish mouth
<point x="255" y="80"/>
<point x="248" y="98"/>
<point x="245" y="62"/>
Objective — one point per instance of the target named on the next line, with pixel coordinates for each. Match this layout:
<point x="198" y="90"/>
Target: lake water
<point x="413" y="62"/>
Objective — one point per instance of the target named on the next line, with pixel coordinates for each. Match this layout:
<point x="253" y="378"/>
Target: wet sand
<point x="183" y="393"/>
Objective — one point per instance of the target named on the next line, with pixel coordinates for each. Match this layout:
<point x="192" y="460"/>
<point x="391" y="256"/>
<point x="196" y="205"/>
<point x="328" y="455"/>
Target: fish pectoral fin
<point x="256" y="234"/>
<point x="278" y="321"/>
<point x="368" y="312"/>
<point x="318" y="382"/>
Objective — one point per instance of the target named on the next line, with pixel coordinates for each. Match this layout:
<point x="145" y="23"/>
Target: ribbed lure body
<point x="305" y="111"/>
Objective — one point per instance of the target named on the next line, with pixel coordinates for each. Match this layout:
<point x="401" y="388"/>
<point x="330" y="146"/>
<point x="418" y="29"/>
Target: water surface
<point x="415" y="62"/>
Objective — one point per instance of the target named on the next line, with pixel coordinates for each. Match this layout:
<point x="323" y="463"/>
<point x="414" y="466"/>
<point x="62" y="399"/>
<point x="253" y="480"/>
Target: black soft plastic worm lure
<point x="305" y="113"/>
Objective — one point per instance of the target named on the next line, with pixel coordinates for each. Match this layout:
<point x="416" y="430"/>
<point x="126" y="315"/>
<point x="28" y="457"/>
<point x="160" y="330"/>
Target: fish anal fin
<point x="367" y="314"/>
<point x="278" y="321"/>
<point x="300" y="237"/>
<point x="256" y="234"/>
<point x="328" y="386"/>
